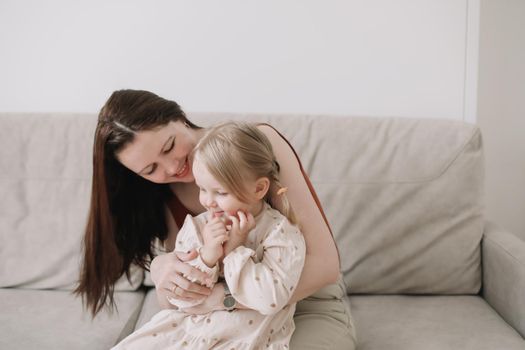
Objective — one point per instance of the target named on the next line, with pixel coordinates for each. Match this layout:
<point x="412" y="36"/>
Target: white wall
<point x="411" y="58"/>
<point x="502" y="110"/>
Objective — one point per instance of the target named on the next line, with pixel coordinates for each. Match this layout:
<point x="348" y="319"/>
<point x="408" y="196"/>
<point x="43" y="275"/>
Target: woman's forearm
<point x="321" y="266"/>
<point x="315" y="277"/>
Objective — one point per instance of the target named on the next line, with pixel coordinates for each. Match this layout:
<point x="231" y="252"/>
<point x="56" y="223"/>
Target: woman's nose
<point x="171" y="168"/>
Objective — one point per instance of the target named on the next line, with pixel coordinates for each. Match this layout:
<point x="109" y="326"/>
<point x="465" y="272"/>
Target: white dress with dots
<point x="261" y="275"/>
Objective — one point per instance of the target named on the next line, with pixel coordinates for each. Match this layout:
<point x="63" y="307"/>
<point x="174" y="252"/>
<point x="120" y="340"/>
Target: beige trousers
<point x="323" y="321"/>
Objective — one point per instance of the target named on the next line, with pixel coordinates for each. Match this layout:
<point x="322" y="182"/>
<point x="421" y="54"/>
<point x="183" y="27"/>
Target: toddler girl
<point x="257" y="250"/>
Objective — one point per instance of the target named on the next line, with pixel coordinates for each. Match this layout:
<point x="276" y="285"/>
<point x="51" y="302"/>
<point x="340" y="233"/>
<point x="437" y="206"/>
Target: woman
<point x="261" y="257"/>
<point x="142" y="189"/>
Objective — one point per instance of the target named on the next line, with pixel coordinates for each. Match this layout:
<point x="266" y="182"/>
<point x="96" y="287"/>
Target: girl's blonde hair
<point x="234" y="151"/>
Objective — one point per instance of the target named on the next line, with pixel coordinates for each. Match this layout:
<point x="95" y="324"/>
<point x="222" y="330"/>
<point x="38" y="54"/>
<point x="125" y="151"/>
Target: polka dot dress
<point x="262" y="275"/>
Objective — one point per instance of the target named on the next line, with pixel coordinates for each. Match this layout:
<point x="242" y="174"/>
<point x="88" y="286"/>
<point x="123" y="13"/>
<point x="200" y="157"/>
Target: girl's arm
<point x="321" y="266"/>
<point x="322" y="260"/>
<point x="266" y="286"/>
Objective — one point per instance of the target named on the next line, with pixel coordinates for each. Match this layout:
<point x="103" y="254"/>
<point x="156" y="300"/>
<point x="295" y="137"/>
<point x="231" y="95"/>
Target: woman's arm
<point x="322" y="260"/>
<point x="321" y="265"/>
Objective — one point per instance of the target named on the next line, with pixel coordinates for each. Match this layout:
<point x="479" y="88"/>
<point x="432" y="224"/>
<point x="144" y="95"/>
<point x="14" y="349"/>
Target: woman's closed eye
<point x="154" y="167"/>
<point x="172" y="145"/>
<point x="152" y="170"/>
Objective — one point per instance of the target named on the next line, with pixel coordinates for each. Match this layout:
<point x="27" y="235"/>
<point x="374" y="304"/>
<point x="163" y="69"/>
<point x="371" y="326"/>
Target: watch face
<point x="229" y="301"/>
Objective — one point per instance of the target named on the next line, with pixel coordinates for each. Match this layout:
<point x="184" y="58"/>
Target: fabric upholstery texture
<point x="504" y="275"/>
<point x="430" y="323"/>
<point x="52" y="319"/>
<point x="149" y="308"/>
<point x="45" y="184"/>
<point x="404" y="198"/>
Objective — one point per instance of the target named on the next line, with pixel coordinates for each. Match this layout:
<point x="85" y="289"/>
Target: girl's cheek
<point x="235" y="213"/>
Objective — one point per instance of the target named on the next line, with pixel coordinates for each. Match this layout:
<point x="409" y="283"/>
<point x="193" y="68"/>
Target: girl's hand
<point x="214" y="234"/>
<point x="167" y="272"/>
<point x="240" y="227"/>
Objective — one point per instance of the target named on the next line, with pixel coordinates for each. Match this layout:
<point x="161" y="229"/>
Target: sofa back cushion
<point x="45" y="186"/>
<point x="403" y="197"/>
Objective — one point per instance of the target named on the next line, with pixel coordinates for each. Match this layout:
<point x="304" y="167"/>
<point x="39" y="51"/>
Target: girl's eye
<point x="222" y="193"/>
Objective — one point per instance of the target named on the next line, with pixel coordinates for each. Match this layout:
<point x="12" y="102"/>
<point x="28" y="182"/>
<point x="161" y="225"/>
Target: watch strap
<point x="226" y="289"/>
<point x="229" y="301"/>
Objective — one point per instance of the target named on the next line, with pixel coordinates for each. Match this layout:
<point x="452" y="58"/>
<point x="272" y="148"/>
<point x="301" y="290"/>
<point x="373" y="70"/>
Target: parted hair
<point x="234" y="151"/>
<point x="126" y="212"/>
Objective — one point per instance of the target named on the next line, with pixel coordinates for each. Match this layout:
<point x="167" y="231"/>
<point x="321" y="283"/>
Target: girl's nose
<point x="210" y="202"/>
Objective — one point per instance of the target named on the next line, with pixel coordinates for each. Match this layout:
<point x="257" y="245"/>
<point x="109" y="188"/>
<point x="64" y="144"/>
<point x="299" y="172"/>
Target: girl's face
<point x="217" y="200"/>
<point x="162" y="155"/>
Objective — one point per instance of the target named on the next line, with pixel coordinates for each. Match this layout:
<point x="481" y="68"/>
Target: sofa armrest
<point x="503" y="261"/>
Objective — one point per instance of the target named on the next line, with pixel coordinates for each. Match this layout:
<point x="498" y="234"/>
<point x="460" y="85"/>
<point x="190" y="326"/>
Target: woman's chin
<point x="183" y="179"/>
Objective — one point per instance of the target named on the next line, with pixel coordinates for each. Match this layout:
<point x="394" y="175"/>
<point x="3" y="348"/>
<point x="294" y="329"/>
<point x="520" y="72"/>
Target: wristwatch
<point x="229" y="301"/>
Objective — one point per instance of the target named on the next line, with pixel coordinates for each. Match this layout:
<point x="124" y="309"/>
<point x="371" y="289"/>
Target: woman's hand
<point x="212" y="303"/>
<point x="240" y="227"/>
<point x="168" y="271"/>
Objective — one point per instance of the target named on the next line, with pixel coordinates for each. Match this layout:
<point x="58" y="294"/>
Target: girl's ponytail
<point x="279" y="200"/>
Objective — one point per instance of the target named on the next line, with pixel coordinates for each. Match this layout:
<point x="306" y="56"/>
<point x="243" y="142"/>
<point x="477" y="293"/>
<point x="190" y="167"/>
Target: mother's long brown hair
<point x="126" y="211"/>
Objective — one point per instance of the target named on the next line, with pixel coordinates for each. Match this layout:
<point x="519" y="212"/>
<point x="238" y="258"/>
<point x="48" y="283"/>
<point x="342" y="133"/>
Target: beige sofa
<point x="422" y="268"/>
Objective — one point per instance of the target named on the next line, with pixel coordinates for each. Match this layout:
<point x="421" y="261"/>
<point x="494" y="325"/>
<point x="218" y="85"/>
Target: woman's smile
<point x="184" y="170"/>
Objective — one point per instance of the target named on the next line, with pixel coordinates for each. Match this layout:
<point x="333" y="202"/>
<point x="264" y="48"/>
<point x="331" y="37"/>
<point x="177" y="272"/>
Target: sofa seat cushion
<point x="430" y="322"/>
<point x="47" y="319"/>
<point x="149" y="308"/>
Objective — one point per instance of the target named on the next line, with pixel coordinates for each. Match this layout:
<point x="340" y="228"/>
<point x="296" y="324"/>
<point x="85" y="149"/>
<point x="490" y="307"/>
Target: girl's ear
<point x="262" y="185"/>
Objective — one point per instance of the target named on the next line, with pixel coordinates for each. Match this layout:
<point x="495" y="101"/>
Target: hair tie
<point x="276" y="165"/>
<point x="282" y="190"/>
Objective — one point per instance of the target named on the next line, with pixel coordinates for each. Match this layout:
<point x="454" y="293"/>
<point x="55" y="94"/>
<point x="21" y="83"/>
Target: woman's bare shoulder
<point x="282" y="149"/>
<point x="292" y="176"/>
<point x="319" y="240"/>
